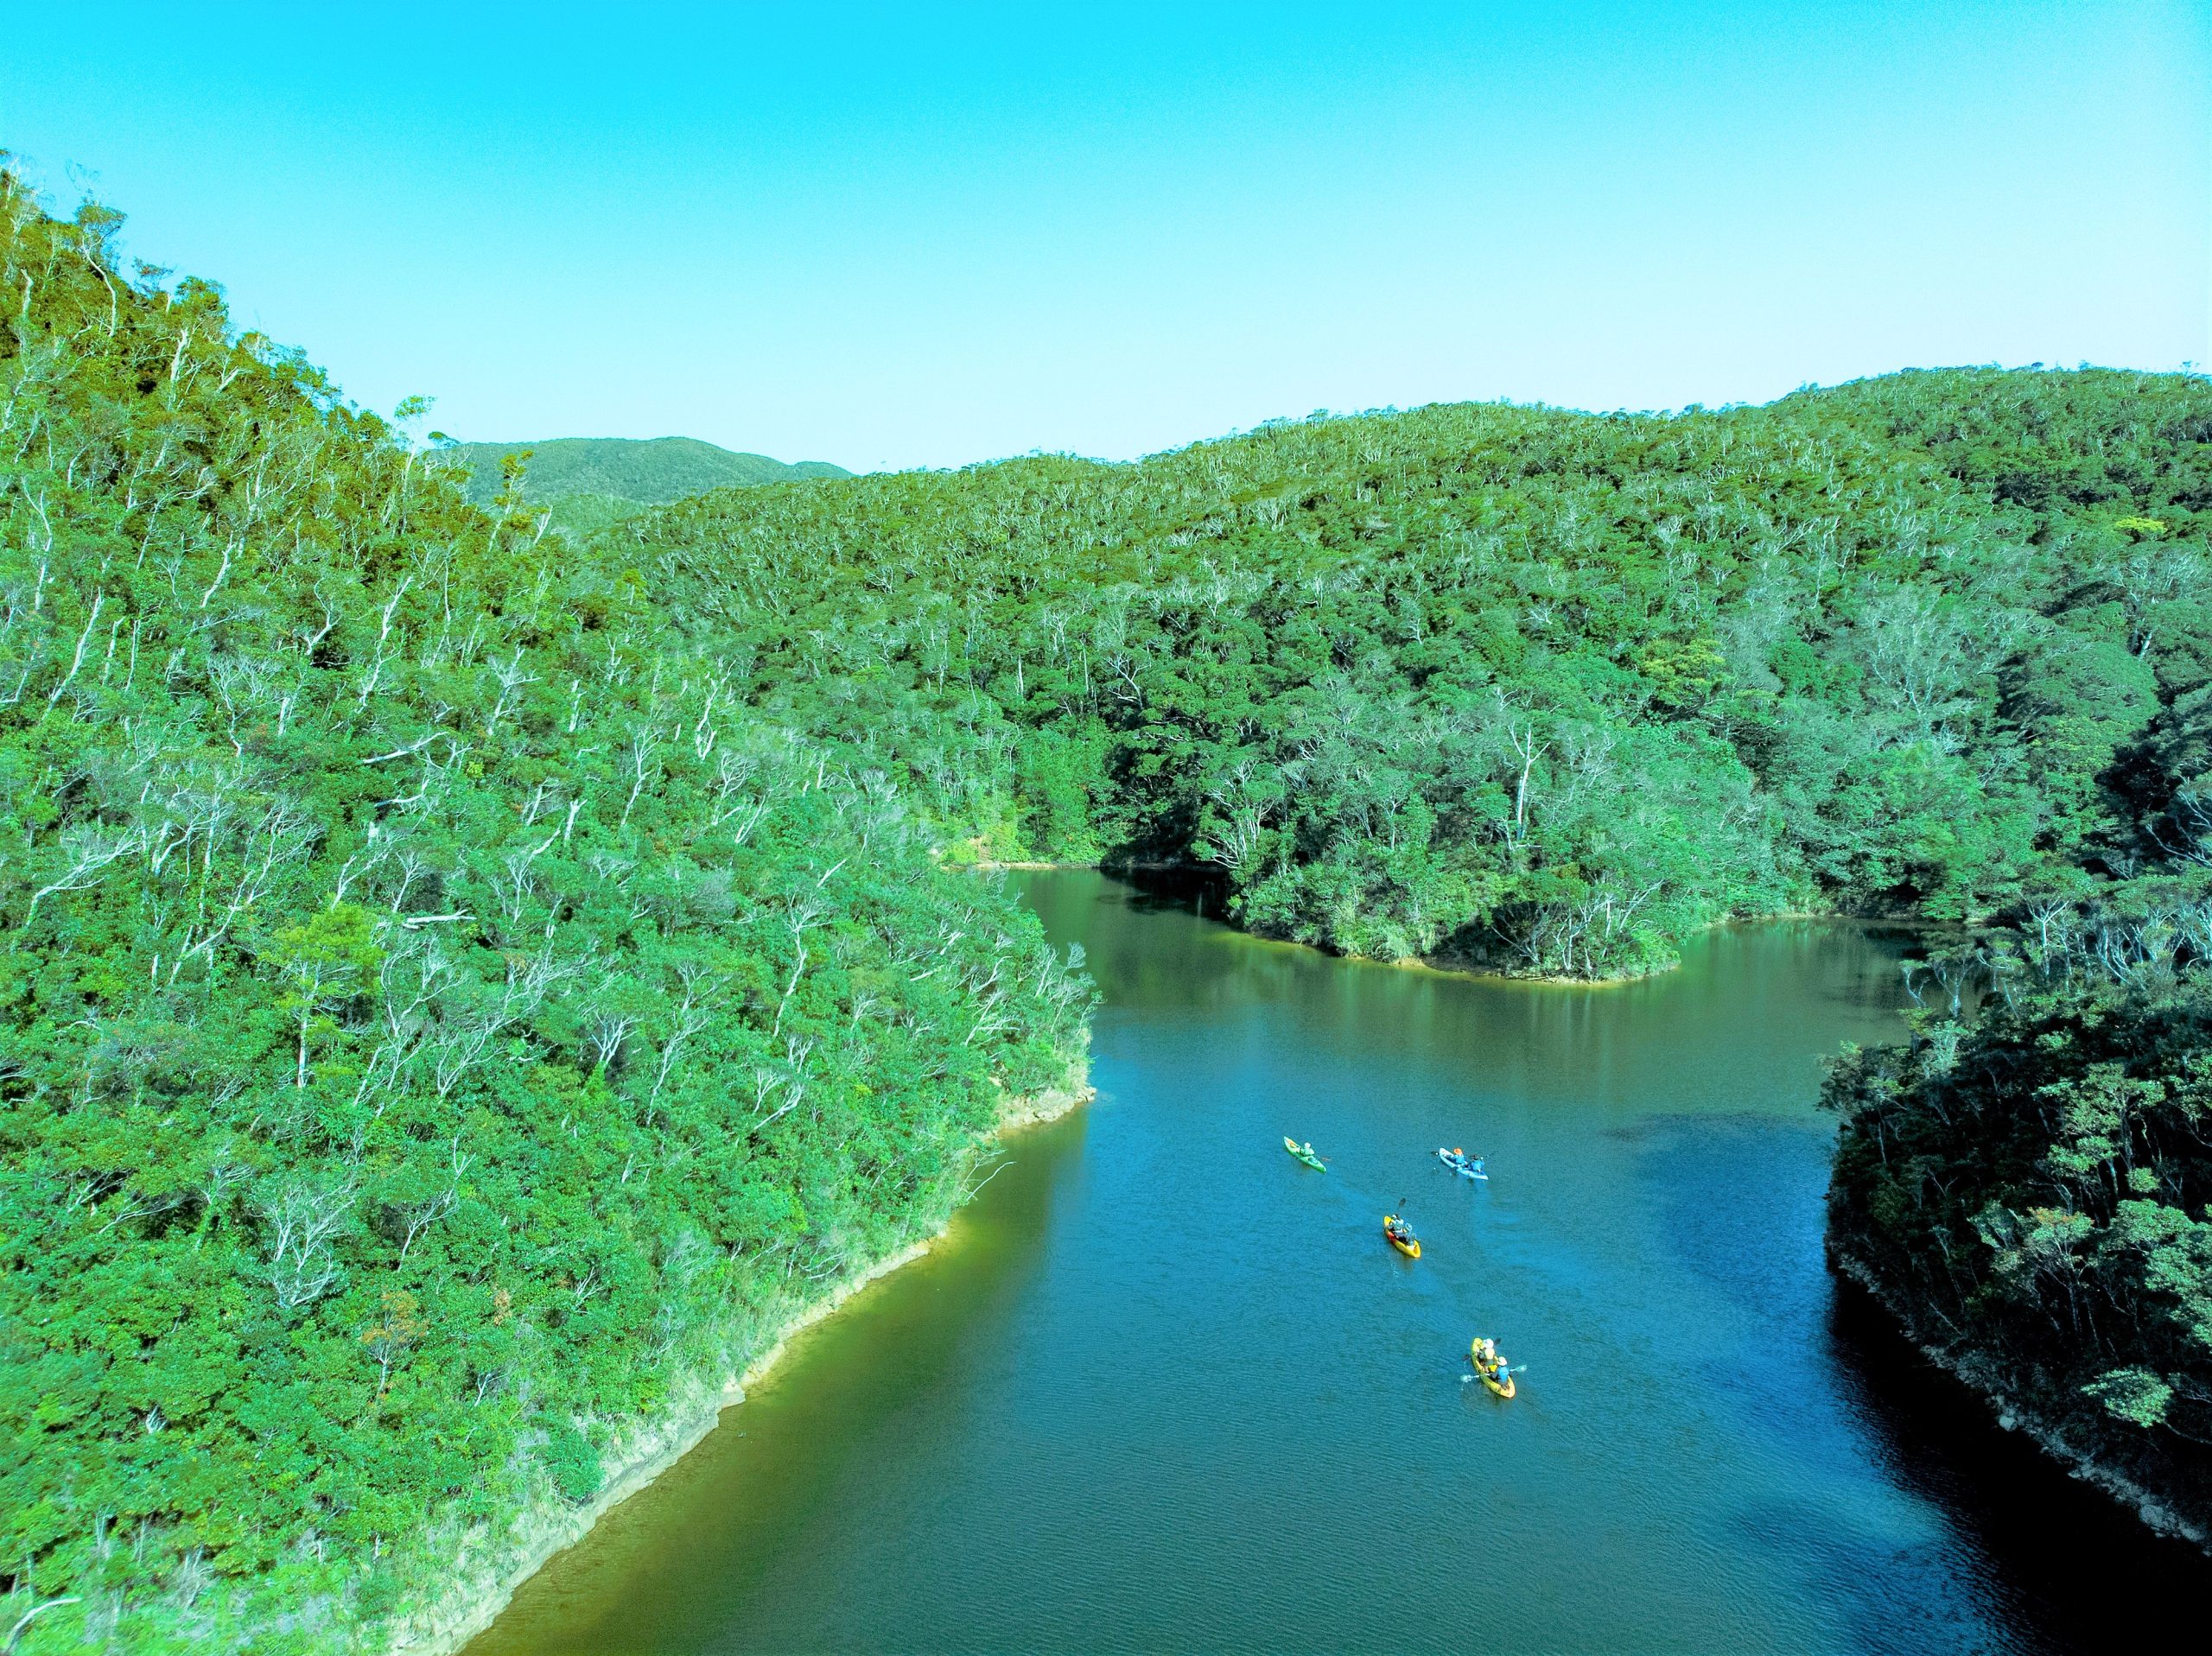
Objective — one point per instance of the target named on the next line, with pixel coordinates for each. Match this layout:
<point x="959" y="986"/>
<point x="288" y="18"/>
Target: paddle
<point x="1400" y="1216"/>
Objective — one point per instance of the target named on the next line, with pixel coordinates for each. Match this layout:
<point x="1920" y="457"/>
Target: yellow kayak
<point x="1408" y="1245"/>
<point x="1487" y="1367"/>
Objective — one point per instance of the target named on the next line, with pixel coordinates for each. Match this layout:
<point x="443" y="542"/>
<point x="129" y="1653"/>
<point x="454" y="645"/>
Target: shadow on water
<point x="2014" y="1554"/>
<point x="1202" y="893"/>
<point x="2066" y="1566"/>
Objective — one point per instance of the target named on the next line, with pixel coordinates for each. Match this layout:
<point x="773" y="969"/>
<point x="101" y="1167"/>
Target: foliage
<point x="2035" y="1193"/>
<point x="2030" y="1181"/>
<point x="648" y="471"/>
<point x="442" y="1024"/>
<point x="1538" y="689"/>
<point x="587" y="514"/>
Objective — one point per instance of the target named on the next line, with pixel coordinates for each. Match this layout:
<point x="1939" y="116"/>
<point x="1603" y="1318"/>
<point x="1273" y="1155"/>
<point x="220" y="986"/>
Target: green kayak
<point x="1305" y="1154"/>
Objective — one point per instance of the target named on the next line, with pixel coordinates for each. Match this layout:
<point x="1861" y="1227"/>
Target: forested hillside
<point x="1536" y="690"/>
<point x="648" y="471"/>
<point x="443" y="1026"/>
<point x="2028" y="1184"/>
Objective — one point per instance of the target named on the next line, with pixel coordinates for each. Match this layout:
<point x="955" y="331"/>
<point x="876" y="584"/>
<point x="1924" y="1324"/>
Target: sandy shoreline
<point x="480" y="1594"/>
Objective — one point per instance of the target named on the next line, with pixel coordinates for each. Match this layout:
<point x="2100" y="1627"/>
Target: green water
<point x="1165" y="1389"/>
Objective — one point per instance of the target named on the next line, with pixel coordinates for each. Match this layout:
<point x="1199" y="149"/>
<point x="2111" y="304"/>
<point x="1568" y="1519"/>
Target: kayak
<point x="1409" y="1246"/>
<point x="1304" y="1152"/>
<point x="1489" y="1371"/>
<point x="1467" y="1167"/>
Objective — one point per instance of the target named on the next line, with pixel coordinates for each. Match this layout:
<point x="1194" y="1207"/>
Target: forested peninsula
<point x="469" y="981"/>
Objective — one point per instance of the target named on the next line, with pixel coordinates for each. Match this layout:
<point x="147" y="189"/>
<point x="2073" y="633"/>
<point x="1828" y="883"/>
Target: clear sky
<point x="929" y="235"/>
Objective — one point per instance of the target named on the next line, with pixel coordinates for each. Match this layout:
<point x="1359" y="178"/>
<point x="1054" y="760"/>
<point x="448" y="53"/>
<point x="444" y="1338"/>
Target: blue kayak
<point x="1466" y="1166"/>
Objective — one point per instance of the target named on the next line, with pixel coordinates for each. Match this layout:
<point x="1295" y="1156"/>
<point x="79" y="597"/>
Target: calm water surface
<point x="1165" y="1389"/>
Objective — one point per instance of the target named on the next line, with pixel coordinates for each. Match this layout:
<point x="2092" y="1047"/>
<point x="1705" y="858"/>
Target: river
<point x="1163" y="1388"/>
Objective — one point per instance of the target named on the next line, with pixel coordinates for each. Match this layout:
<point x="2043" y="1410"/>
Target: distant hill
<point x="649" y="471"/>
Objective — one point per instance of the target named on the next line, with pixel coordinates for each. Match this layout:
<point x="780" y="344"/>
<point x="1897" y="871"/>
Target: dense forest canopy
<point x="645" y="471"/>
<point x="1533" y="689"/>
<point x="2033" y="1193"/>
<point x="581" y="484"/>
<point x="2028" y="1183"/>
<point x="443" y="1026"/>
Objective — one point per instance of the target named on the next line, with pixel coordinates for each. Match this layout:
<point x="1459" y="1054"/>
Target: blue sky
<point x="934" y="235"/>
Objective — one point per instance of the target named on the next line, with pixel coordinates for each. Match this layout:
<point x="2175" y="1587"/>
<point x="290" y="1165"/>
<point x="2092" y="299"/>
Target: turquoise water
<point x="1165" y="1389"/>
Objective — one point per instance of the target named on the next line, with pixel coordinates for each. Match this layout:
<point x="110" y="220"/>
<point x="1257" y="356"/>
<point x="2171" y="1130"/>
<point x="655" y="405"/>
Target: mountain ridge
<point x="647" y="471"/>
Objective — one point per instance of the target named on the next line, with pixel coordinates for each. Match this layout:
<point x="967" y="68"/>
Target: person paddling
<point x="1493" y="1365"/>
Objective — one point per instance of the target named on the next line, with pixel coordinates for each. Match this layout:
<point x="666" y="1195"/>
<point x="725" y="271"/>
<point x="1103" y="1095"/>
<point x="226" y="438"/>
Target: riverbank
<point x="1469" y="969"/>
<point x="1983" y="1378"/>
<point x="1445" y="965"/>
<point x="1459" y="965"/>
<point x="485" y="1583"/>
<point x="1480" y="968"/>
